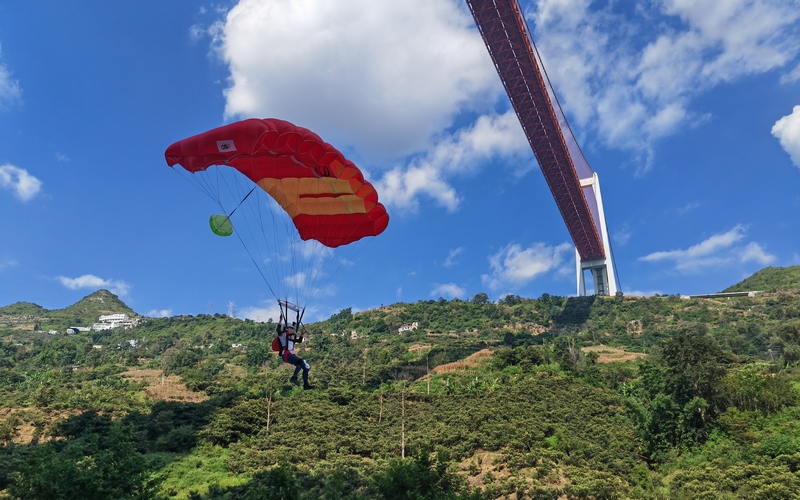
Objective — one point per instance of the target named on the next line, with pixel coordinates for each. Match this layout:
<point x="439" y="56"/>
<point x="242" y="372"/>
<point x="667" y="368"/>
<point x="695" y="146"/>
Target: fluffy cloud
<point x="19" y="181"/>
<point x="754" y="252"/>
<point x="160" y="313"/>
<point x="91" y="281"/>
<point x="269" y="311"/>
<point x="717" y="250"/>
<point x="460" y="154"/>
<point x="514" y="266"/>
<point x="10" y="91"/>
<point x="787" y="131"/>
<point x="382" y="76"/>
<point x="792" y="76"/>
<point x="630" y="74"/>
<point x="450" y="261"/>
<point x="389" y="79"/>
<point x="448" y="290"/>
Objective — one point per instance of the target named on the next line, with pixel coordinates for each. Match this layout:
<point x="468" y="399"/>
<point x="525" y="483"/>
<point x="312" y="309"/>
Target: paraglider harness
<point x="283" y="325"/>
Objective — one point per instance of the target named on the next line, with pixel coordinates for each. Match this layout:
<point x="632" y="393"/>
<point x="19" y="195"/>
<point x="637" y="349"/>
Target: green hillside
<point x="83" y="313"/>
<point x="92" y="306"/>
<point x="553" y="397"/>
<point x="770" y="278"/>
<point x="23" y="309"/>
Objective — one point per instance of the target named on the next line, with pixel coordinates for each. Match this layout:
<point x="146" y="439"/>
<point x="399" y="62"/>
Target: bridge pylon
<point x="602" y="270"/>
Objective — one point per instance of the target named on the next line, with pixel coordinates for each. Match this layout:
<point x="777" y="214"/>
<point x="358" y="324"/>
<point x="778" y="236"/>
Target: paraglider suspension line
<point x="240" y="203"/>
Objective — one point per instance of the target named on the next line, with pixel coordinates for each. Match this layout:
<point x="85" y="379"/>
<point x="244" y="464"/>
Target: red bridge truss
<point x="572" y="182"/>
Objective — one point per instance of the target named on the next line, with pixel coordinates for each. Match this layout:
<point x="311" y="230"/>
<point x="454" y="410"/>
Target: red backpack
<point x="276" y="344"/>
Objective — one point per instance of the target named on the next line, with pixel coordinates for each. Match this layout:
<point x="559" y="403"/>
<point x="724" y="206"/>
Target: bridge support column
<point x="602" y="270"/>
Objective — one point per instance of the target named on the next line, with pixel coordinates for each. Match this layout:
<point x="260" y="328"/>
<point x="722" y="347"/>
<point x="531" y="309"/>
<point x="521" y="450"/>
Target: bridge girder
<point x="505" y="33"/>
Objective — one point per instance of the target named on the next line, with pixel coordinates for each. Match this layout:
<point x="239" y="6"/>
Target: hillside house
<point x="407" y="328"/>
<point x="109" y="321"/>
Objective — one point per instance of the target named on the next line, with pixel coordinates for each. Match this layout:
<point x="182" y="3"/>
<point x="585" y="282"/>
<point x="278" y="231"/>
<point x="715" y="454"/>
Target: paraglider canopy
<point x="325" y="194"/>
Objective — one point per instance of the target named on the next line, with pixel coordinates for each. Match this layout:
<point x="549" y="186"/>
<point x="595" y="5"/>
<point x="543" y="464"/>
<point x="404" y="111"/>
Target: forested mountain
<point x="553" y="397"/>
<point x="82" y="313"/>
<point x="770" y="278"/>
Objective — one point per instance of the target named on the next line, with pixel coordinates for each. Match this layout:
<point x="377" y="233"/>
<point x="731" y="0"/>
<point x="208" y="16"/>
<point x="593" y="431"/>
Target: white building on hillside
<point x="408" y="327"/>
<point x="113" y="318"/>
<point x="109" y="321"/>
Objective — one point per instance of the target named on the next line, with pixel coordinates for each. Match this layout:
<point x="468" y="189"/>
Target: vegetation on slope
<point x="770" y="278"/>
<point x="83" y="313"/>
<point x="483" y="400"/>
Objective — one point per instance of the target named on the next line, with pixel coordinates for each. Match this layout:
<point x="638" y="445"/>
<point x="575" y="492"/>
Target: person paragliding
<point x="292" y="200"/>
<point x="287" y="337"/>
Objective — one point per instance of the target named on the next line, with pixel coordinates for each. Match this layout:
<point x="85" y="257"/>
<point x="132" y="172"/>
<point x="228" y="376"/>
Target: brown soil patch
<point x="479" y="466"/>
<point x="27" y="418"/>
<point x="533" y="329"/>
<point x="172" y="389"/>
<point x="613" y="354"/>
<point x="236" y="370"/>
<point x="418" y="347"/>
<point x="466" y="364"/>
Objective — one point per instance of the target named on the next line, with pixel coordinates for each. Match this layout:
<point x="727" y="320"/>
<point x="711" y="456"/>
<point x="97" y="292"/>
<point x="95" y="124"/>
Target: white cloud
<point x="381" y="76"/>
<point x="450" y="290"/>
<point x="629" y="75"/>
<point x="313" y="250"/>
<point x="495" y="136"/>
<point x="622" y="235"/>
<point x="61" y="157"/>
<point x="385" y="79"/>
<point x="296" y="281"/>
<point x="791" y="76"/>
<point x="717" y="250"/>
<point x="787" y="131"/>
<point x="19" y="181"/>
<point x="756" y="253"/>
<point x="269" y="311"/>
<point x="91" y="281"/>
<point x="160" y="313"/>
<point x="514" y="266"/>
<point x="689" y="207"/>
<point x="639" y="293"/>
<point x="450" y="261"/>
<point x="7" y="262"/>
<point x="10" y="91"/>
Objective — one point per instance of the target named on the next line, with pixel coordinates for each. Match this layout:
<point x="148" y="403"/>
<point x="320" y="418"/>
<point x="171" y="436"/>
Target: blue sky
<point x="688" y="111"/>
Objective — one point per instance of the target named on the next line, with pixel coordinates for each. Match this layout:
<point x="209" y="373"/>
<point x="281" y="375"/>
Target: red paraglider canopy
<point x="325" y="194"/>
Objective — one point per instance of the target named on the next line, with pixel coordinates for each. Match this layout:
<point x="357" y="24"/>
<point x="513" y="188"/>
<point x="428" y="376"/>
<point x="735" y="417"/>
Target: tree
<point x="693" y="368"/>
<point x="791" y="355"/>
<point x="421" y="478"/>
<point x="480" y="299"/>
<point x="101" y="462"/>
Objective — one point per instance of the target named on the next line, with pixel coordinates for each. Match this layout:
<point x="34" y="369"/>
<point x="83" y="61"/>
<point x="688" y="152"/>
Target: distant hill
<point x="769" y="278"/>
<point x="82" y="313"/>
<point x="100" y="302"/>
<point x="23" y="309"/>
